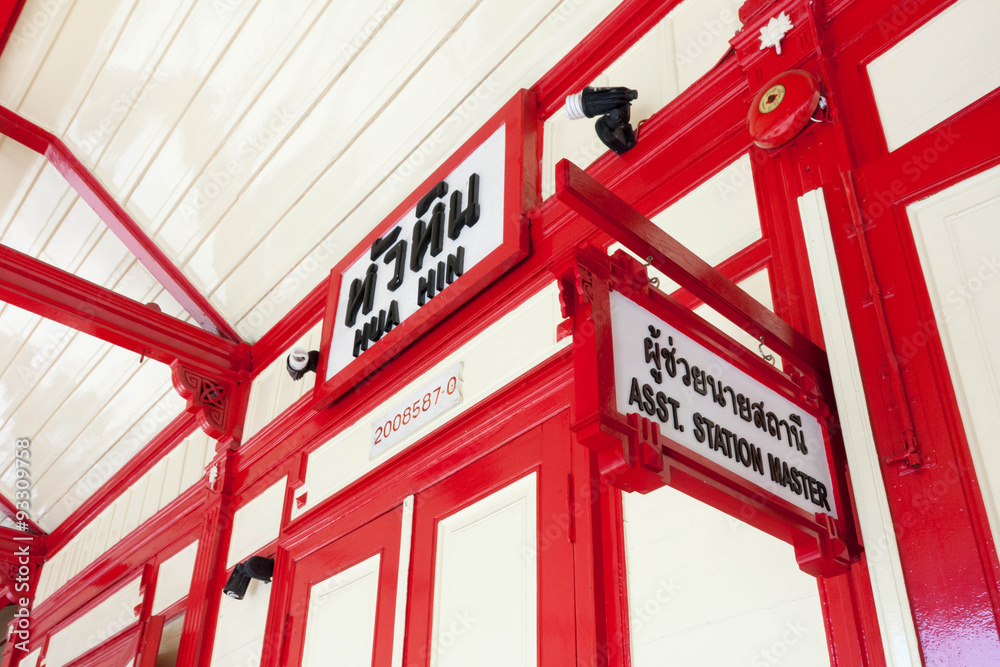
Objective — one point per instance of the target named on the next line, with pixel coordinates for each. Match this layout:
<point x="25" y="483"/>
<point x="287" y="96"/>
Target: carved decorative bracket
<point x="215" y="403"/>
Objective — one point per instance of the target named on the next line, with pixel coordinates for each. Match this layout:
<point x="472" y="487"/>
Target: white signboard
<point x="453" y="227"/>
<point x="716" y="410"/>
<point x="422" y="407"/>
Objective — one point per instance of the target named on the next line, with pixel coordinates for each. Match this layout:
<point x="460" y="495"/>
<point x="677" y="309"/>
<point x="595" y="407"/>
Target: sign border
<point x="521" y="194"/>
<point x="635" y="456"/>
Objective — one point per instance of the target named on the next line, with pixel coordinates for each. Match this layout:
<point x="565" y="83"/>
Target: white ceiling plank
<point x="180" y="73"/>
<point x="37" y="28"/>
<point x="126" y="78"/>
<point x="388" y="57"/>
<point x="197" y="126"/>
<point x="432" y="94"/>
<point x="64" y="77"/>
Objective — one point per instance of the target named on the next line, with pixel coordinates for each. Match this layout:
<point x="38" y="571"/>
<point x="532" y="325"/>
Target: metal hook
<point x="654" y="281"/>
<point x="767" y="357"/>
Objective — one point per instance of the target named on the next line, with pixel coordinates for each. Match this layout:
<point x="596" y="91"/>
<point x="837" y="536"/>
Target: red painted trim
<point x="8" y="508"/>
<point x="161" y="445"/>
<point x="10" y="10"/>
<point x="601" y="48"/>
<point x="118" y="221"/>
<point x="42" y="289"/>
<point x="519" y="196"/>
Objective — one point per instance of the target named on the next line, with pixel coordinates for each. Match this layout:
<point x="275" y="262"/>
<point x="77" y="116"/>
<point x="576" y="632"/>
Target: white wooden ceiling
<point x="256" y="141"/>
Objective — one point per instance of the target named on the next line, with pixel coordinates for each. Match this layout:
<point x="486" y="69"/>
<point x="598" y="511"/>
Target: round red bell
<point x="783" y="107"/>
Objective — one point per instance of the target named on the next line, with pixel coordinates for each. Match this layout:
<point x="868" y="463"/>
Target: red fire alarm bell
<point x="783" y="107"/>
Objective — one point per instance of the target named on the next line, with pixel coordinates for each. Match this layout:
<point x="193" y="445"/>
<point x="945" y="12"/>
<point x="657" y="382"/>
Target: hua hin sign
<point x="665" y="398"/>
<point x="453" y="236"/>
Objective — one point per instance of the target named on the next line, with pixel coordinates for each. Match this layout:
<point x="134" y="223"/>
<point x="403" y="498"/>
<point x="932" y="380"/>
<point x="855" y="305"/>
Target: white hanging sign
<point x="712" y="408"/>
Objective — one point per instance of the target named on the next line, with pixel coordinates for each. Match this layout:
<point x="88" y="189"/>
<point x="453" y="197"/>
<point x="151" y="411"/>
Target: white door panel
<point x="341" y="619"/>
<point x="957" y="233"/>
<point x="485" y="597"/>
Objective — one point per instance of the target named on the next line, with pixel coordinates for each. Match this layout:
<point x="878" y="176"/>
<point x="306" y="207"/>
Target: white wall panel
<point x="341" y="620"/>
<point x="256" y="523"/>
<point x="695" y="575"/>
<point x="30" y="660"/>
<point x="938" y="70"/>
<point x="173" y="579"/>
<point x="509" y="348"/>
<point x="958" y="239"/>
<point x="239" y="635"/>
<point x="156" y="489"/>
<point x="676" y="52"/>
<point x="485" y="582"/>
<point x="102" y="622"/>
<point x="899" y="636"/>
<point x="274" y="390"/>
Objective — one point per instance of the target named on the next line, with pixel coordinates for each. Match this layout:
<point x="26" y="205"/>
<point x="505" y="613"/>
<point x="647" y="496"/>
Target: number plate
<point x="417" y="410"/>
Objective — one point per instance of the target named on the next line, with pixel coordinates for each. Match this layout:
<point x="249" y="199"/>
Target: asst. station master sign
<point x="667" y="399"/>
<point x="461" y="229"/>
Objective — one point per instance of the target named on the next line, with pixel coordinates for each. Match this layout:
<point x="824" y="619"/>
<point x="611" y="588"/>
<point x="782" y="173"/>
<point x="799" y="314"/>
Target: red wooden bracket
<point x="118" y="221"/>
<point x="214" y="402"/>
<point x="636" y="232"/>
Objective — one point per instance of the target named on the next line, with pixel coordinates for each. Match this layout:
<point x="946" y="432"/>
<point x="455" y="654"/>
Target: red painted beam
<point x="636" y="232"/>
<point x="9" y="11"/>
<point x="117" y="220"/>
<point x="42" y="289"/>
<point x="8" y="508"/>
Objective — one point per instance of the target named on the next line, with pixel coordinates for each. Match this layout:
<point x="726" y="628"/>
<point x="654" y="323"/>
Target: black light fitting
<point x="300" y="362"/>
<point x="255" y="567"/>
<point x="613" y="106"/>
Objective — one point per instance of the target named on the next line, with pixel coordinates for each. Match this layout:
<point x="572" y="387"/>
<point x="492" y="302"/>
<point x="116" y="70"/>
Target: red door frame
<point x="299" y="572"/>
<point x="546" y="451"/>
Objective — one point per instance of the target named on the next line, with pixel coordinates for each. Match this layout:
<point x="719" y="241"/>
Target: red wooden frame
<point x="544" y="450"/>
<point x="118" y="220"/>
<point x="8" y="508"/>
<point x="520" y="188"/>
<point x="703" y="127"/>
<point x="306" y="568"/>
<point x="640" y="235"/>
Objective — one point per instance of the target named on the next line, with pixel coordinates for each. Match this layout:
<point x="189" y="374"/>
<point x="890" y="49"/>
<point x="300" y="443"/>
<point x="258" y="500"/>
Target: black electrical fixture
<point x="613" y="106"/>
<point x="255" y="567"/>
<point x="300" y="362"/>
